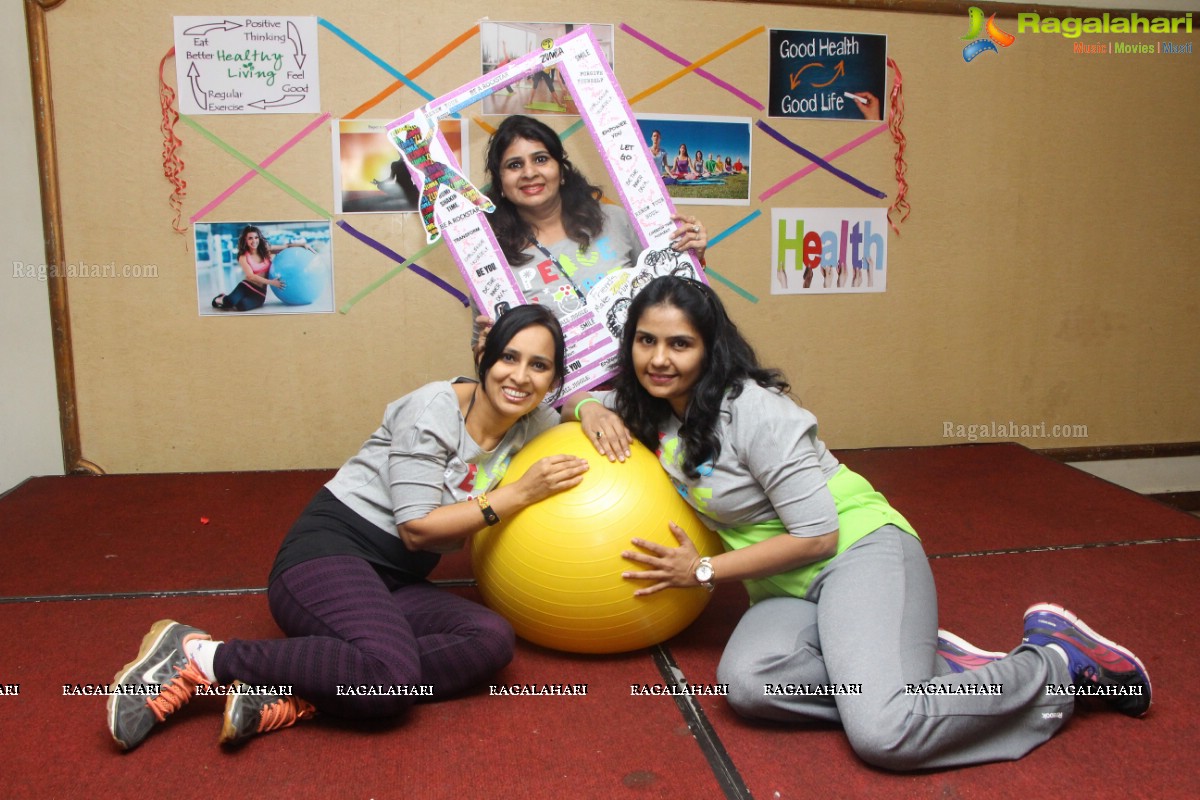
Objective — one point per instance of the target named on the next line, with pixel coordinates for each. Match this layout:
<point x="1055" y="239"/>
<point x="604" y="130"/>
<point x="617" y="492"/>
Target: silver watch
<point x="705" y="574"/>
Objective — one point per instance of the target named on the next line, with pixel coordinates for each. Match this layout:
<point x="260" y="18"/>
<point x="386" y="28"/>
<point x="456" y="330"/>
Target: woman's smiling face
<point x="668" y="355"/>
<point x="530" y="178"/>
<point x="523" y="374"/>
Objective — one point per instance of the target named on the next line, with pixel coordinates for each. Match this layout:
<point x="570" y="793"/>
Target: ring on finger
<point x="599" y="435"/>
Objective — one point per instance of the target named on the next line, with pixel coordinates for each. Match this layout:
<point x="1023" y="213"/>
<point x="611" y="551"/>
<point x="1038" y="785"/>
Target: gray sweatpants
<point x="859" y="649"/>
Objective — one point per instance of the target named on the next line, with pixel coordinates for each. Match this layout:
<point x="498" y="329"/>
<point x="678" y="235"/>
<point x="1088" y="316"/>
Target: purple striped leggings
<point x="349" y="627"/>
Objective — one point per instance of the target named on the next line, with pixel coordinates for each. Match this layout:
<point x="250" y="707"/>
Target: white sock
<point x="201" y="652"/>
<point x="1061" y="654"/>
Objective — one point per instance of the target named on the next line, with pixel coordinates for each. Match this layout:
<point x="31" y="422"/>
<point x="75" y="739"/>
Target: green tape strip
<point x="212" y="137"/>
<point x="712" y="273"/>
<point x="387" y="276"/>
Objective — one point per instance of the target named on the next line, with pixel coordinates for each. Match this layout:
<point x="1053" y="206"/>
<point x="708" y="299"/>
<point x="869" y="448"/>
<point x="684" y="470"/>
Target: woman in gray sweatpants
<point x="866" y="634"/>
<point x="843" y="619"/>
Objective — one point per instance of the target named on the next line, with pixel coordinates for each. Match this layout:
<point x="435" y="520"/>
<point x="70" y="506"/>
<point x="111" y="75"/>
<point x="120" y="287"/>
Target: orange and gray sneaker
<point x="248" y="713"/>
<point x="157" y="683"/>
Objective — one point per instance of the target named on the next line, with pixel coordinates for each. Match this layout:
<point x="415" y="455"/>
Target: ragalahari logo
<point x="994" y="37"/>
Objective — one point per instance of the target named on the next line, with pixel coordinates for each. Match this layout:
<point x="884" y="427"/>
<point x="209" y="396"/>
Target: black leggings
<point x="244" y="297"/>
<point x="352" y="627"/>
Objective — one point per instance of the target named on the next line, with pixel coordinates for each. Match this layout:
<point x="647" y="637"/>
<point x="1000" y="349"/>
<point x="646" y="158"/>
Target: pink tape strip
<point x="841" y="151"/>
<point x="266" y="162"/>
<point x="678" y="59"/>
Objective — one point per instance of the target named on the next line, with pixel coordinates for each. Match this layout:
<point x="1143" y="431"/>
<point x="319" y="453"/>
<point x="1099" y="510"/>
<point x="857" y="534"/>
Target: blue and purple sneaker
<point x="961" y="655"/>
<point x="1099" y="667"/>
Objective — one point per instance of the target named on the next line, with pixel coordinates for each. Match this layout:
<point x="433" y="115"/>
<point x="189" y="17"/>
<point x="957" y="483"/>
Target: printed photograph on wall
<point x="369" y="174"/>
<point x="829" y="250"/>
<point x="702" y="160"/>
<point x="246" y="268"/>
<point x="827" y="75"/>
<point x="544" y="91"/>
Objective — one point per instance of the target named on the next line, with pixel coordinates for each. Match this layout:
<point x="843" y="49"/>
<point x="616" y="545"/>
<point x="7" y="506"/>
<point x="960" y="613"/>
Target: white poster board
<point x="247" y="65"/>
<point x="829" y="250"/>
<point x="455" y="210"/>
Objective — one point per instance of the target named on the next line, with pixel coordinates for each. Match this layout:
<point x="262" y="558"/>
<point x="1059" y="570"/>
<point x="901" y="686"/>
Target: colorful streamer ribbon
<point x="899" y="206"/>
<point x="172" y="163"/>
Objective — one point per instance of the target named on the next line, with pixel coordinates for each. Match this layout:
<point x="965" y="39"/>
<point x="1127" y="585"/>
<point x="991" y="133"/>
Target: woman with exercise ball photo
<point x="265" y="267"/>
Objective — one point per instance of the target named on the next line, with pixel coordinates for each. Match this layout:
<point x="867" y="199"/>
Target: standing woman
<point x="366" y="632"/>
<point x="841" y="592"/>
<point x="552" y="227"/>
<point x="555" y="232"/>
<point x="254" y="257"/>
<point x="546" y="76"/>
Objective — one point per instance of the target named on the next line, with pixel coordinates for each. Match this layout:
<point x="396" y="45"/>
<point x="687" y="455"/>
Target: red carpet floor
<point x="92" y="562"/>
<point x="477" y="746"/>
<point x="1141" y="596"/>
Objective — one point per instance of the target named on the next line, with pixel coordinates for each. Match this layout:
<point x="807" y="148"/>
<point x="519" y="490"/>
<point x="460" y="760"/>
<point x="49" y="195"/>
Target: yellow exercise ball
<point x="554" y="569"/>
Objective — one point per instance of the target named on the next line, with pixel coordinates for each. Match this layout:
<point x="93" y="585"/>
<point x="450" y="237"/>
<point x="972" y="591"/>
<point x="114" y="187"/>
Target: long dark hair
<point x="263" y="251"/>
<point x="509" y="325"/>
<point x="582" y="217"/>
<point x="728" y="361"/>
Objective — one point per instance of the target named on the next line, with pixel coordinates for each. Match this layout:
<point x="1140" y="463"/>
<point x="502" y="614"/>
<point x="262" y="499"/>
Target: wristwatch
<point x="705" y="574"/>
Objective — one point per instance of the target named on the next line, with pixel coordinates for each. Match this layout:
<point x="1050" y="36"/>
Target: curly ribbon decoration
<point x="172" y="163"/>
<point x="900" y="205"/>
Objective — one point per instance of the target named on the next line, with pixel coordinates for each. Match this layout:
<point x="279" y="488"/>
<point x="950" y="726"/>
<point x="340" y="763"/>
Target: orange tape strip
<point x="696" y="64"/>
<point x="429" y="62"/>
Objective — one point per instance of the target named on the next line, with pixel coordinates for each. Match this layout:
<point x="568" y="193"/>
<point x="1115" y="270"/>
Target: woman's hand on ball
<point x="606" y="431"/>
<point x="671" y="567"/>
<point x="551" y="475"/>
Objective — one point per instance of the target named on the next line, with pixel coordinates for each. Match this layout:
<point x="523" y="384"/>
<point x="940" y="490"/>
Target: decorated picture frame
<point x="456" y="211"/>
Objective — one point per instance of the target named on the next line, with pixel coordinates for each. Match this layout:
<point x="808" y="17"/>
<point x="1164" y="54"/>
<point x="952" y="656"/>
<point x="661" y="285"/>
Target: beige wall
<point x="1046" y="273"/>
